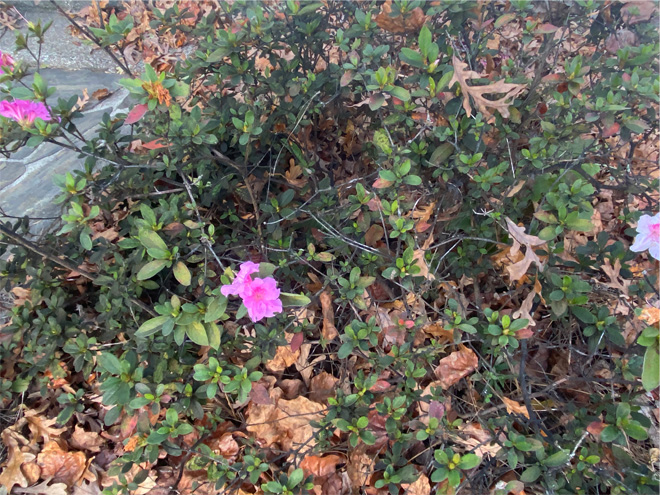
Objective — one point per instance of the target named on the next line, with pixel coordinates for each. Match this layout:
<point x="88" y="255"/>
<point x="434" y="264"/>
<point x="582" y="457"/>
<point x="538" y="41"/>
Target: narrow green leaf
<point x="182" y="274"/>
<point x="151" y="326"/>
<point x="150" y="239"/>
<point x="651" y="369"/>
<point x="110" y="363"/>
<point x="197" y="333"/>
<point x="294" y="300"/>
<point x="557" y="459"/>
<point x="151" y="269"/>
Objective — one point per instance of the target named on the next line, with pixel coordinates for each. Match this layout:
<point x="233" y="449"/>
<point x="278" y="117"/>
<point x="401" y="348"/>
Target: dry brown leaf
<point x="517" y="271"/>
<point x="82" y="101"/>
<point x="20" y="295"/>
<point x="285" y="422"/>
<point x="11" y="474"/>
<point x="320" y="466"/>
<point x="45" y="489"/>
<point x="359" y="468"/>
<point x="60" y="466"/>
<point x="526" y="306"/>
<point x="87" y="488"/>
<point x="322" y="386"/>
<point x="513" y="407"/>
<point x="636" y="11"/>
<point x="418" y="256"/>
<point x="373" y="235"/>
<point x="456" y="366"/>
<point x="473" y="437"/>
<point x="650" y="316"/>
<point x="329" y="331"/>
<point x="85" y="440"/>
<point x="617" y="282"/>
<point x="410" y="23"/>
<point x="420" y="487"/>
<point x="41" y="428"/>
<point x="482" y="104"/>
<point x="284" y="356"/>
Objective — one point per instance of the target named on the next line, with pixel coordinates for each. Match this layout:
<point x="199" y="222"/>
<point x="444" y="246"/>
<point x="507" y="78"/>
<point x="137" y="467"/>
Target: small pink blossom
<point x="6" y="60"/>
<point x="260" y="295"/>
<point x="24" y="111"/>
<point x="262" y="298"/>
<point x="242" y="277"/>
<point x="648" y="235"/>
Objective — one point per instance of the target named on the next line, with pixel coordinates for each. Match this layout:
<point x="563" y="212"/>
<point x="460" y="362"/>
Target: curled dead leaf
<point x="61" y="466"/>
<point x="513" y="407"/>
<point x="481" y="103"/>
<point x="456" y="366"/>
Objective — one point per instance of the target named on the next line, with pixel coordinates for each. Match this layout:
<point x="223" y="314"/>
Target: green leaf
<point x="151" y="326"/>
<point x="216" y="309"/>
<point x="85" y="240"/>
<point x="636" y="125"/>
<point x="267" y="269"/>
<point x="441" y="154"/>
<point x="636" y="431"/>
<point x="197" y="333"/>
<point x="213" y="334"/>
<point x="401" y="93"/>
<point x="583" y="314"/>
<point x="468" y="461"/>
<point x="579" y="224"/>
<point x="295" y="478"/>
<point x="151" y="240"/>
<point x="411" y="57"/>
<point x="110" y="363"/>
<point x="181" y="273"/>
<point x="151" y="269"/>
<point x="294" y="300"/>
<point x="651" y="369"/>
<point x="382" y="142"/>
<point x="531" y="474"/>
<point x="557" y="459"/>
<point x="424" y="40"/>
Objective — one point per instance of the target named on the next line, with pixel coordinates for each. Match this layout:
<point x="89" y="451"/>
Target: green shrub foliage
<point x="486" y="308"/>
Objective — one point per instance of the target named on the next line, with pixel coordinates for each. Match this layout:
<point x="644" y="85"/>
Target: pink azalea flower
<point x="6" y="60"/>
<point x="262" y="298"/>
<point x="242" y="278"/>
<point x="648" y="235"/>
<point x="24" y="111"/>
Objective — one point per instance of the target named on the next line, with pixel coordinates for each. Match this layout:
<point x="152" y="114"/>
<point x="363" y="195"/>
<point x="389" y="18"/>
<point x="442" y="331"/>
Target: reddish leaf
<point x="611" y="130"/>
<point x="296" y="341"/>
<point x="136" y="114"/>
<point x="155" y="144"/>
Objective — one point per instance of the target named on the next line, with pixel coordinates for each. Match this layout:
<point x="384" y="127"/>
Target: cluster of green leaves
<point x="210" y="193"/>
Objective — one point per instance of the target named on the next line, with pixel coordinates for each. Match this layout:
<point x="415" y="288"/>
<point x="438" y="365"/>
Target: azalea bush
<point x="403" y="247"/>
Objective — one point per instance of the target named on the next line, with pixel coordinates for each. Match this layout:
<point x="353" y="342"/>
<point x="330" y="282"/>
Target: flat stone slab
<point x="60" y="49"/>
<point x="26" y="178"/>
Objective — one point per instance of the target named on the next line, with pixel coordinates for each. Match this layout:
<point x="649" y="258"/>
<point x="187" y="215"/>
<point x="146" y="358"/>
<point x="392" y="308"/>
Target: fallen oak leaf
<point x="41" y="428"/>
<point x="12" y="474"/>
<point x="513" y="407"/>
<point x="86" y="440"/>
<point x="320" y="466"/>
<point x="482" y="104"/>
<point x="44" y="488"/>
<point x="61" y="466"/>
<point x="456" y="366"/>
<point x="518" y="270"/>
